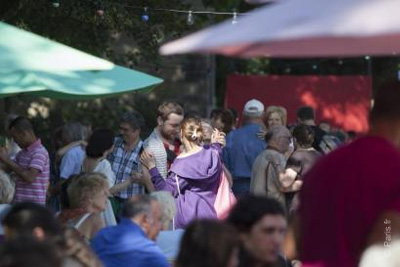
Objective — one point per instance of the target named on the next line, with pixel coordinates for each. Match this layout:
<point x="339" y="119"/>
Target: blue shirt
<point x="71" y="162"/>
<point x="242" y="148"/>
<point x="126" y="244"/>
<point x="169" y="242"/>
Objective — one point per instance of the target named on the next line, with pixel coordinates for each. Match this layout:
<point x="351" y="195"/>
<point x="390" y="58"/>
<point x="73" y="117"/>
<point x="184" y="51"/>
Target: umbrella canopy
<point x="303" y="28"/>
<point x="75" y="84"/>
<point x="22" y="50"/>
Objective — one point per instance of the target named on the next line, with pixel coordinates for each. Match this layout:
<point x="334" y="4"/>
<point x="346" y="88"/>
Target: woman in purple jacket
<point x="194" y="176"/>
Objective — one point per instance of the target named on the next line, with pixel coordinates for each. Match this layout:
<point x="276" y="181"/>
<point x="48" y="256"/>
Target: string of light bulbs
<point x="100" y="10"/>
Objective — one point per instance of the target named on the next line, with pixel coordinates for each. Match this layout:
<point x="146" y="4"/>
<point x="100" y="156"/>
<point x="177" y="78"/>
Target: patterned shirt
<point x="161" y="152"/>
<point x="123" y="163"/>
<point x="35" y="156"/>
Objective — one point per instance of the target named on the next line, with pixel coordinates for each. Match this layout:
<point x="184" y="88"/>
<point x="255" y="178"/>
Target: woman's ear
<point x="160" y="121"/>
<point x="181" y="134"/>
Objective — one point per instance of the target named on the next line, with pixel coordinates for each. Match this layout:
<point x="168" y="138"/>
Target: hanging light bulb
<point x="367" y="58"/>
<point x="100" y="8"/>
<point x="190" y="19"/>
<point x="234" y="19"/>
<point x="55" y="3"/>
<point x="145" y="15"/>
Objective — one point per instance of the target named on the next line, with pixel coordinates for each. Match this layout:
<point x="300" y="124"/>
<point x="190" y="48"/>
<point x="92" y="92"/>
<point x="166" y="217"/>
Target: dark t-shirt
<point x="246" y="261"/>
<point x="318" y="134"/>
<point x="301" y="160"/>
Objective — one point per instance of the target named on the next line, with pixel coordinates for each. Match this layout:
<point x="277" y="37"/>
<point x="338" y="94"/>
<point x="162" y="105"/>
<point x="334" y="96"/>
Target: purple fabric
<point x="198" y="177"/>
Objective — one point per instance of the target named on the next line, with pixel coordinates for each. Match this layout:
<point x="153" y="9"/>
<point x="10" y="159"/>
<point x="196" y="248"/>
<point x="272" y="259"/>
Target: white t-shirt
<point x="104" y="167"/>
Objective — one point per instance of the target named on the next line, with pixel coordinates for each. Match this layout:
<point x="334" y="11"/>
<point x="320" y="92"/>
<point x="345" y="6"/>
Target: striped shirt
<point x="157" y="148"/>
<point x="123" y="163"/>
<point x="36" y="157"/>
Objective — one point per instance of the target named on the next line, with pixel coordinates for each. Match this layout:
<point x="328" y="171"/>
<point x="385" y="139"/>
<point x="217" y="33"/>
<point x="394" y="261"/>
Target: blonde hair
<point x="84" y="187"/>
<point x="6" y="188"/>
<point x="188" y="127"/>
<point x="281" y="111"/>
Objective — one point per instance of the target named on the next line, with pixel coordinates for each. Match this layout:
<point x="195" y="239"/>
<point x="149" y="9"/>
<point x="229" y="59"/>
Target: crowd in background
<point x="201" y="191"/>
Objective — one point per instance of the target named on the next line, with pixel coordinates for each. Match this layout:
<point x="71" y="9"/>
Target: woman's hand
<point x="218" y="137"/>
<point x="147" y="160"/>
<point x="287" y="177"/>
<point x="142" y="178"/>
<point x="137" y="178"/>
<point x="262" y="133"/>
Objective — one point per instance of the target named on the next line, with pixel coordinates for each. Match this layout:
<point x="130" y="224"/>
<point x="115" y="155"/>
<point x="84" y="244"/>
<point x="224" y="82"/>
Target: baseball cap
<point x="253" y="107"/>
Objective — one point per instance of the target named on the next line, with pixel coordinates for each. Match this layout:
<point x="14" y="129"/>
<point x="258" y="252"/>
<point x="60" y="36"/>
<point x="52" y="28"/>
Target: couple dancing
<point x="196" y="178"/>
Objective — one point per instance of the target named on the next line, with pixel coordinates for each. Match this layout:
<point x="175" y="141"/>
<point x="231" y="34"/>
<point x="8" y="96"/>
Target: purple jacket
<point x="198" y="176"/>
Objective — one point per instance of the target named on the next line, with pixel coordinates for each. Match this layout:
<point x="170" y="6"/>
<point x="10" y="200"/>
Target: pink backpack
<point x="225" y="199"/>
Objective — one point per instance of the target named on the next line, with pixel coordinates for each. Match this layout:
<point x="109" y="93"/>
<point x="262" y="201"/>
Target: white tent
<point x="302" y="28"/>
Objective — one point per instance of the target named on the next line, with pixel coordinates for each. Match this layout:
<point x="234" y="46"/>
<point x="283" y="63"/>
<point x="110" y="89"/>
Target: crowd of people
<point x="202" y="192"/>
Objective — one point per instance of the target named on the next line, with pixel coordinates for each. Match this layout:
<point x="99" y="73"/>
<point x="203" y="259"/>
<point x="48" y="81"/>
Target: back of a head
<point x="24" y="217"/>
<point x="167" y="108"/>
<point x="275" y="132"/>
<point x="234" y="113"/>
<point x="305" y="113"/>
<point x="140" y="204"/>
<point x="99" y="142"/>
<point x="192" y="130"/>
<point x="250" y="209"/>
<point x="304" y="135"/>
<point x="207" y="243"/>
<point x="253" y="109"/>
<point x="21" y="124"/>
<point x="167" y="203"/>
<point x="28" y="252"/>
<point x="72" y="131"/>
<point x="386" y="102"/>
<point x="6" y="188"/>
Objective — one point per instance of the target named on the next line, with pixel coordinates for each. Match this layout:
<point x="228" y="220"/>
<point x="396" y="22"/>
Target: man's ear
<point x="160" y="121"/>
<point x="39" y="233"/>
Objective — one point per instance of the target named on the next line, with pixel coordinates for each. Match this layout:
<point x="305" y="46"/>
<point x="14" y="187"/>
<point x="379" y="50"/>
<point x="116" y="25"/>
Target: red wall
<point x="344" y="101"/>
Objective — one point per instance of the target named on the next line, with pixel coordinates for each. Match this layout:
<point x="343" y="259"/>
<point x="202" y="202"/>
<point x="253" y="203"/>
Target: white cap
<point x="253" y="108"/>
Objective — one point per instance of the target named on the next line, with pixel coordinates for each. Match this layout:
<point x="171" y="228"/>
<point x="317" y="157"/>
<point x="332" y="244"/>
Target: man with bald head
<point x="270" y="163"/>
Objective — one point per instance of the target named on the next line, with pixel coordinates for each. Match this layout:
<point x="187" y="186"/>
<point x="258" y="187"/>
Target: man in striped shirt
<point x="31" y="164"/>
<point x="163" y="142"/>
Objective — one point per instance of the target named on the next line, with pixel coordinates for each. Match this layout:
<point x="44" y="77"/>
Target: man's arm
<point x="26" y="175"/>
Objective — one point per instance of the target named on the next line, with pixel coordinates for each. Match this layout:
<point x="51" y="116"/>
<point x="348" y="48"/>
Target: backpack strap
<point x="266" y="176"/>
<point x="82" y="220"/>
<point x="177" y="184"/>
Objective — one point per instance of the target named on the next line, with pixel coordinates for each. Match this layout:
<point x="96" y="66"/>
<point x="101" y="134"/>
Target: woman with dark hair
<point x="300" y="161"/>
<point x="100" y="144"/>
<point x="208" y="243"/>
<point x="194" y="176"/>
